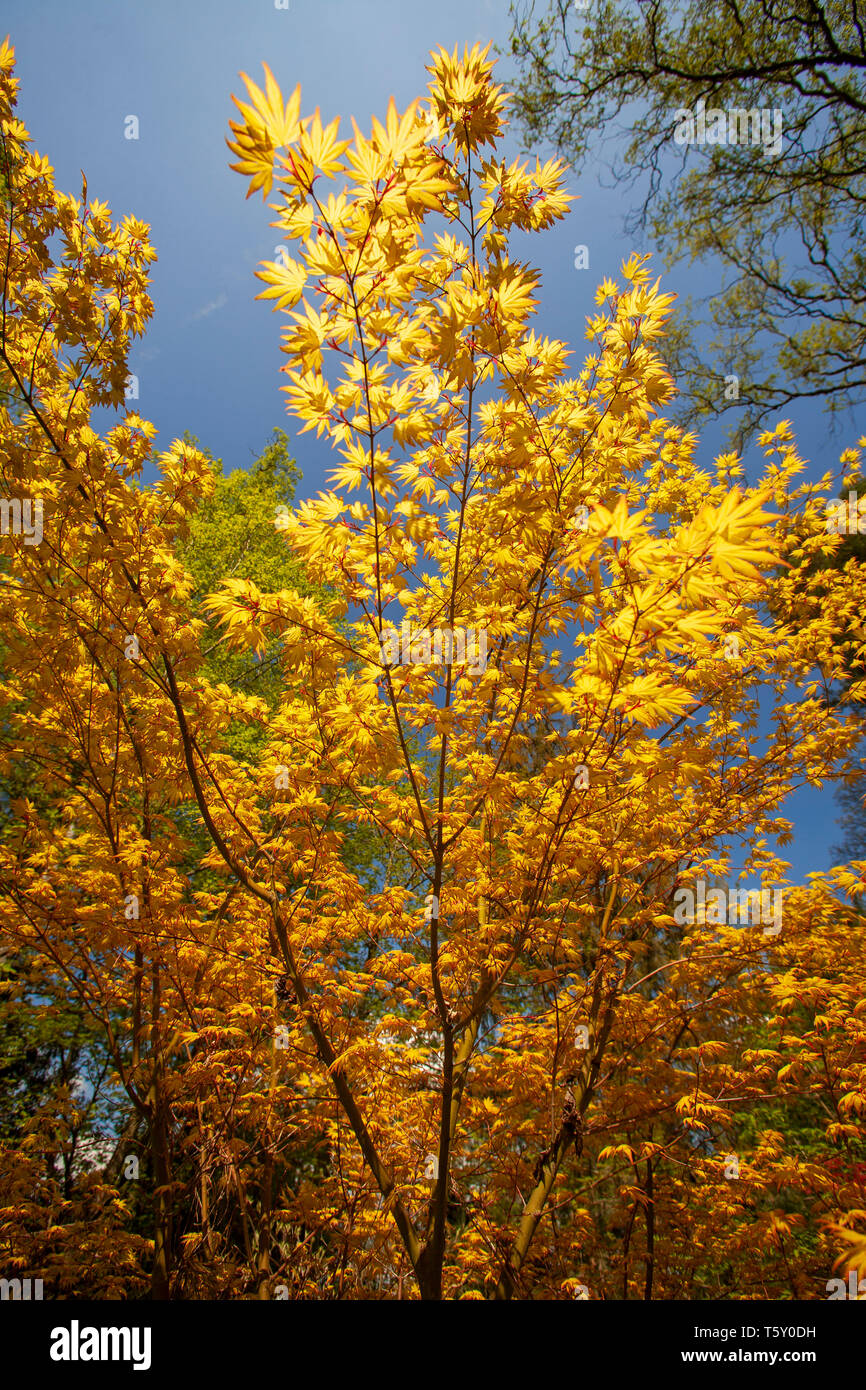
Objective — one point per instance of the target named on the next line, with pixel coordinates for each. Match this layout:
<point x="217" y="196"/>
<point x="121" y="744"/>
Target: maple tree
<point x="484" y="1058"/>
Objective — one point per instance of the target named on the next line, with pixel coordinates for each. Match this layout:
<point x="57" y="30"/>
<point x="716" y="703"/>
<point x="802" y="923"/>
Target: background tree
<point x="786" y="232"/>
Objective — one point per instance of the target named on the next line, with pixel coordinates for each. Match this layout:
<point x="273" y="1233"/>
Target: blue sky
<point x="210" y="360"/>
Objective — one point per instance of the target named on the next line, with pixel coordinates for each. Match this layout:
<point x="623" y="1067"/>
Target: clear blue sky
<point x="209" y="362"/>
